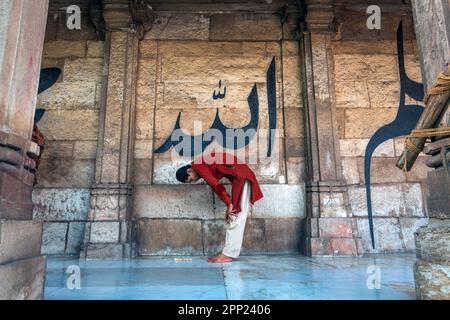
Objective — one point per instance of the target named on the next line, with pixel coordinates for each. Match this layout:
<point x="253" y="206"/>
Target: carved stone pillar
<point x="109" y="230"/>
<point x="432" y="269"/>
<point x="22" y="30"/>
<point x="329" y="226"/>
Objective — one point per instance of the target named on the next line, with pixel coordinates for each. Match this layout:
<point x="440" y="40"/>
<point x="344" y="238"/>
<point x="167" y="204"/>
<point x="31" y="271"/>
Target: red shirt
<point x="215" y="166"/>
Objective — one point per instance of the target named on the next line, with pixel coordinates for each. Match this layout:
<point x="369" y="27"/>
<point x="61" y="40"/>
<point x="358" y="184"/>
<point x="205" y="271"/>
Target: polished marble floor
<point x="372" y="277"/>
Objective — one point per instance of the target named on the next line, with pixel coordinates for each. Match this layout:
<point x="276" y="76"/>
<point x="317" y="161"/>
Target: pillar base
<point x="331" y="236"/>
<point x="432" y="269"/>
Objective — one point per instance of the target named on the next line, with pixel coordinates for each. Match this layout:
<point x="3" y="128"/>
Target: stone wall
<point x="367" y="98"/>
<point x="70" y="126"/>
<point x="182" y="59"/>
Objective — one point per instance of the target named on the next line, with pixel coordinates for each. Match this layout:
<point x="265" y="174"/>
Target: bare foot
<point x="220" y="258"/>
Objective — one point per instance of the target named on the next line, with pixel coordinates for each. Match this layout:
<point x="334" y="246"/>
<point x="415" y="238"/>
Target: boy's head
<point x="187" y="175"/>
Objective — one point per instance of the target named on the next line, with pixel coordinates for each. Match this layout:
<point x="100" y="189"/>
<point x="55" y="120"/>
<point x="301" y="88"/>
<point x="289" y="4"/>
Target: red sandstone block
<point x="335" y="227"/>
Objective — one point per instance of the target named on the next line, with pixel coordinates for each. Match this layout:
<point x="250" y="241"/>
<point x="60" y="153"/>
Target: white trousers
<point x="236" y="226"/>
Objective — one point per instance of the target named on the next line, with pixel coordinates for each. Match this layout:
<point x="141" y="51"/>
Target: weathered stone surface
<point x="144" y="123"/>
<point x="85" y="149"/>
<point x="294" y="123"/>
<point x="388" y="235"/>
<point x="283" y="235"/>
<point x="64" y="49"/>
<point x="65" y="173"/>
<point x="169" y="236"/>
<point x="370" y="47"/>
<point x="384" y="94"/>
<point x="70" y="124"/>
<point x="180" y="26"/>
<point x="95" y="49"/>
<point x="357" y="148"/>
<point x="213" y="236"/>
<point x="295" y="147"/>
<point x="75" y="237"/>
<point x="433" y="242"/>
<point x="340" y="118"/>
<point x="146" y="84"/>
<point x="254" y="237"/>
<point x="142" y="172"/>
<point x="104" y="232"/>
<point x="363" y="122"/>
<point x="404" y="200"/>
<point x="357" y="67"/>
<point x="350" y="170"/>
<point x="148" y="49"/>
<point x="105" y="251"/>
<point x="23" y="280"/>
<point x="57" y="149"/>
<point x="174" y="201"/>
<point x="354" y="25"/>
<point x="296" y="170"/>
<point x="70" y="96"/>
<point x="332" y="205"/>
<point x="205" y="70"/>
<point x="221" y="48"/>
<point x="54" y="237"/>
<point x="280" y="201"/>
<point x="352" y="94"/>
<point x="292" y="90"/>
<point x="432" y="280"/>
<point x="19" y="240"/>
<point x="383" y="170"/>
<point x="271" y="173"/>
<point x="245" y="26"/>
<point x="409" y="227"/>
<point x="335" y="228"/>
<point x="83" y="70"/>
<point x="143" y="149"/>
<point x="344" y="246"/>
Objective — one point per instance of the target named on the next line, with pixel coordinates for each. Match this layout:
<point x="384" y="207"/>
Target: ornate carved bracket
<point x="320" y="16"/>
<point x="134" y="16"/>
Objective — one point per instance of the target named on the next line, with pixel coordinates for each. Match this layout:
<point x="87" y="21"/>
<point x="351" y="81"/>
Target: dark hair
<point x="182" y="174"/>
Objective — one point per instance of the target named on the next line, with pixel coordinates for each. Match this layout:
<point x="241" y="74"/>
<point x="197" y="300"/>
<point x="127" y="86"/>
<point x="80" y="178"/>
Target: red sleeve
<point x="219" y="189"/>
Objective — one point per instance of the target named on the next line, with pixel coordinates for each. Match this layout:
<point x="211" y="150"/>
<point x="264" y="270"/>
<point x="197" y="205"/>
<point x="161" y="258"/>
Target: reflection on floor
<point x="252" y="277"/>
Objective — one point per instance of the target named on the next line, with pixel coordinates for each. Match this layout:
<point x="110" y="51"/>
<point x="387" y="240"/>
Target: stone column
<point x="432" y="269"/>
<point x="22" y="30"/>
<point x="329" y="226"/>
<point x="109" y="230"/>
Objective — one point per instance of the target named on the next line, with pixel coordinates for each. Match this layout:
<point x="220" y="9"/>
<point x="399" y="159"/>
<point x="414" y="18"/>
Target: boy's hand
<point x="229" y="212"/>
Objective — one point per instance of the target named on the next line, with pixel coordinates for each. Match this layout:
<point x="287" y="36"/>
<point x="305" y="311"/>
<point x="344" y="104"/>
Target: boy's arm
<point x="219" y="189"/>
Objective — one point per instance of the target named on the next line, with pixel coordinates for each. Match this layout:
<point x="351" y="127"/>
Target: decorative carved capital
<point x="135" y="16"/>
<point x="320" y="15"/>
